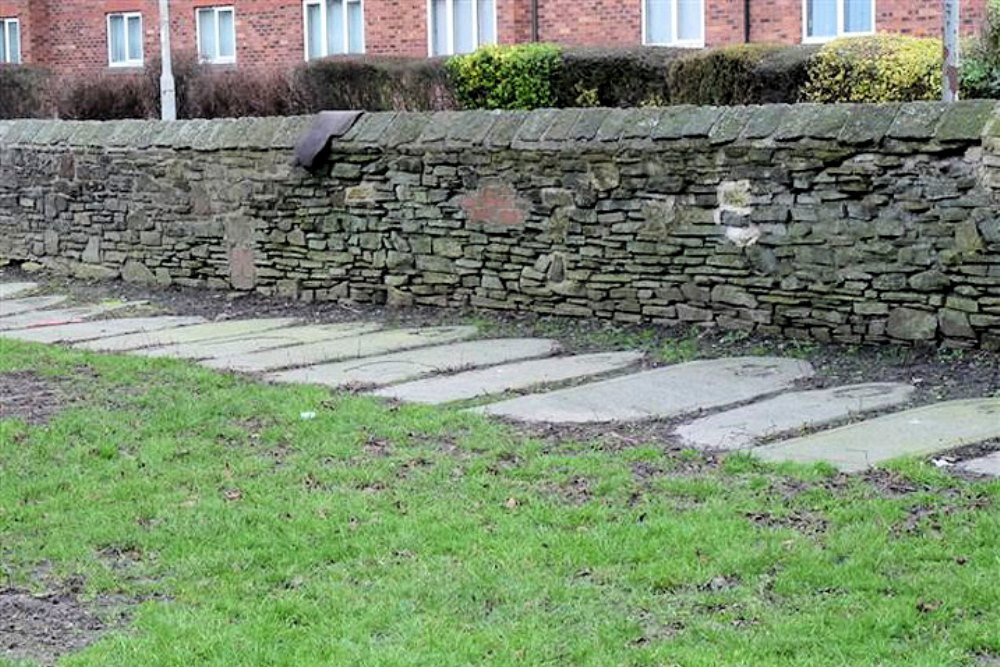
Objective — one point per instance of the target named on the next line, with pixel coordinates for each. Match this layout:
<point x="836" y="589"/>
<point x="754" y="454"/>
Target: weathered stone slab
<point x="189" y="334"/>
<point x="340" y="348"/>
<point x="17" y="306"/>
<point x="984" y="465"/>
<point x="745" y="426"/>
<point x="70" y="333"/>
<point x="508" y="377"/>
<point x="46" y="318"/>
<point x="917" y="432"/>
<point x="661" y="393"/>
<point x="399" y="366"/>
<point x="257" y="342"/>
<point x="10" y="290"/>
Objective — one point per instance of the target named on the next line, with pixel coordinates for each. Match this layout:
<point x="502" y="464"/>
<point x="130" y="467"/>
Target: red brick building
<point x="90" y="35"/>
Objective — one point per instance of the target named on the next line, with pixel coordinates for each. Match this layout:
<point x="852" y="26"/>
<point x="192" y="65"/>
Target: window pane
<point x="227" y="34"/>
<point x="335" y="26"/>
<point x="314" y="32"/>
<point x="658" y="21"/>
<point x="689" y="20"/>
<point x="464" y="37"/>
<point x="857" y="15"/>
<point x="134" y="38"/>
<point x="821" y="18"/>
<point x="116" y="35"/>
<point x="439" y="27"/>
<point x="487" y="24"/>
<point x="14" y="36"/>
<point x="206" y="34"/>
<point x="355" y="27"/>
<point x="4" y="31"/>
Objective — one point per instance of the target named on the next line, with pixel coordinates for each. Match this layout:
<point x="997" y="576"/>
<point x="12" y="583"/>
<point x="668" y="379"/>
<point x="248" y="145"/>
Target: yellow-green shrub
<point x="880" y="68"/>
<point x="506" y="77"/>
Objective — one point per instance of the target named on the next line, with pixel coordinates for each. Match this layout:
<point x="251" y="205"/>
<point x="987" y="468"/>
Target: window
<point x="460" y="26"/>
<point x="674" y="23"/>
<point x="826" y="19"/>
<point x="334" y="26"/>
<point x="125" y="40"/>
<point x="217" y="35"/>
<point x="10" y="41"/>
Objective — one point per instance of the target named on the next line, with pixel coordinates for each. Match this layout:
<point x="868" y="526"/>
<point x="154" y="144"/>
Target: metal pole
<point x="168" y="96"/>
<point x="951" y="54"/>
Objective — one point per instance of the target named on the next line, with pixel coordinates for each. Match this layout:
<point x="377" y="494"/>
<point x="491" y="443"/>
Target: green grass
<point x="374" y="535"/>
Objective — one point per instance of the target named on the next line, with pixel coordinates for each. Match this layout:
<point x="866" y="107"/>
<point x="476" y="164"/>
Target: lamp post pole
<point x="168" y="96"/>
<point x="951" y="51"/>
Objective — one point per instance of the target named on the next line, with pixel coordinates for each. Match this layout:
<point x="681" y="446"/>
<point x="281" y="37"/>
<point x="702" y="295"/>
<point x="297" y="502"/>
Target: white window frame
<point x="450" y="21"/>
<point x="679" y="43"/>
<point x="128" y="62"/>
<point x="215" y="59"/>
<point x="807" y="39"/>
<point x="5" y="36"/>
<point x="325" y="37"/>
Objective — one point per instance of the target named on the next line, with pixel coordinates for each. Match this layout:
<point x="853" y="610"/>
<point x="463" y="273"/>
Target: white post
<point x="168" y="96"/>
<point x="951" y="51"/>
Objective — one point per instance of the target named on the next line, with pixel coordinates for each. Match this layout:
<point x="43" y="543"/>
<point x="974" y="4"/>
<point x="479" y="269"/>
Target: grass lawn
<point x="375" y="535"/>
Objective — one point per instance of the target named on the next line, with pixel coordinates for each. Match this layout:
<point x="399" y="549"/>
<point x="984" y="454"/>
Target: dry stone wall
<point x="847" y="223"/>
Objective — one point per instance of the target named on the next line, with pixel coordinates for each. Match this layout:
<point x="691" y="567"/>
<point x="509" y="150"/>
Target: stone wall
<point x="847" y="223"/>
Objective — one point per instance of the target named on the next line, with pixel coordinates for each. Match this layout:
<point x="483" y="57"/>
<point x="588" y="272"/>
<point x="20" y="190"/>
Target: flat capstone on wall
<point x="851" y="223"/>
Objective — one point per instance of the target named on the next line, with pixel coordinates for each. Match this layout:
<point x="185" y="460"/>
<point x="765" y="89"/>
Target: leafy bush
<point x="613" y="77"/>
<point x="880" y="68"/>
<point x="375" y="83"/>
<point x="743" y="74"/>
<point x="506" y="77"/>
<point x="981" y="65"/>
<point x="24" y="92"/>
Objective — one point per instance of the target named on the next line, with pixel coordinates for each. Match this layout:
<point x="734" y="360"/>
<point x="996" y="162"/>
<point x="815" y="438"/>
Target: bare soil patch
<point x="28" y="396"/>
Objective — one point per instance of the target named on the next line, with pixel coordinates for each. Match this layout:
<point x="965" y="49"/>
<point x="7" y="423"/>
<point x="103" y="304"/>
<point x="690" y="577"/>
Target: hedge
<point x="878" y="68"/>
<point x="981" y="63"/>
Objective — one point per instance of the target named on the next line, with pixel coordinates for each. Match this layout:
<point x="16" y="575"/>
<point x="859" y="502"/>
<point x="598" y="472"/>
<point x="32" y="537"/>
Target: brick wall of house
<point x="71" y="35"/>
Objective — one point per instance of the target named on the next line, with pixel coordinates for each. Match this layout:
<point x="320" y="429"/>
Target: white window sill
<point x="217" y="61"/>
<point x="678" y="45"/>
<point x="127" y="64"/>
<point x="824" y="40"/>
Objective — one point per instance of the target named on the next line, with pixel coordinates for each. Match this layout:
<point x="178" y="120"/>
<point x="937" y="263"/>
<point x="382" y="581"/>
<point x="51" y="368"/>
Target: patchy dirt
<point x="28" y="396"/>
<point x="42" y="628"/>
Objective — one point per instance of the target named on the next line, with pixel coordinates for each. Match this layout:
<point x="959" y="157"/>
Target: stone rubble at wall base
<point x="858" y="223"/>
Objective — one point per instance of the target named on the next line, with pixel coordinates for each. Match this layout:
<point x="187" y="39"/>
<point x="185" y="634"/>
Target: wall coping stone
<point x="937" y="124"/>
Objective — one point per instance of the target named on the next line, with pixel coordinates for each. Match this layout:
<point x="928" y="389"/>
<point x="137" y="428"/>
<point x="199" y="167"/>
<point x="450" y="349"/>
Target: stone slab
<point x="71" y="333"/>
<point x="746" y="426"/>
<point x="17" y="306"/>
<point x="508" y="377"/>
<point x="917" y="432"/>
<point x="189" y="334"/>
<point x="268" y="340"/>
<point x="984" y="465"/>
<point x="10" y="290"/>
<point x="340" y="348"/>
<point x="399" y="366"/>
<point x="47" y="318"/>
<point x="660" y="393"/>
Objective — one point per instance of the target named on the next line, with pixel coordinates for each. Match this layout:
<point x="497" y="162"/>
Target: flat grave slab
<point x="984" y="465"/>
<point x="69" y="333"/>
<point x="188" y="334"/>
<point x="48" y="318"/>
<point x="10" y="290"/>
<point x="388" y="368"/>
<point x="661" y="393"/>
<point x="743" y="427"/>
<point x="256" y="342"/>
<point x="10" y="307"/>
<point x="340" y="348"/>
<point x="508" y="377"/>
<point x="918" y="432"/>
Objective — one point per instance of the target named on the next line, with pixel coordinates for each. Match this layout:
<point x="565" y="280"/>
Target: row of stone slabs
<point x="439" y="365"/>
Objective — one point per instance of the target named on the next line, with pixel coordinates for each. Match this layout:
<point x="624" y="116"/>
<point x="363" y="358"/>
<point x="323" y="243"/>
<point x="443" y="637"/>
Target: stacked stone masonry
<point x="845" y="223"/>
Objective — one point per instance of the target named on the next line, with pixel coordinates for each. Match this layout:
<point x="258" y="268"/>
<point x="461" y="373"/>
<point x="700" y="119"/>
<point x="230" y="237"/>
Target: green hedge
<point x="981" y="64"/>
<point x="744" y="74"/>
<point x="506" y="77"/>
<point x="880" y="68"/>
<point x="614" y="77"/>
